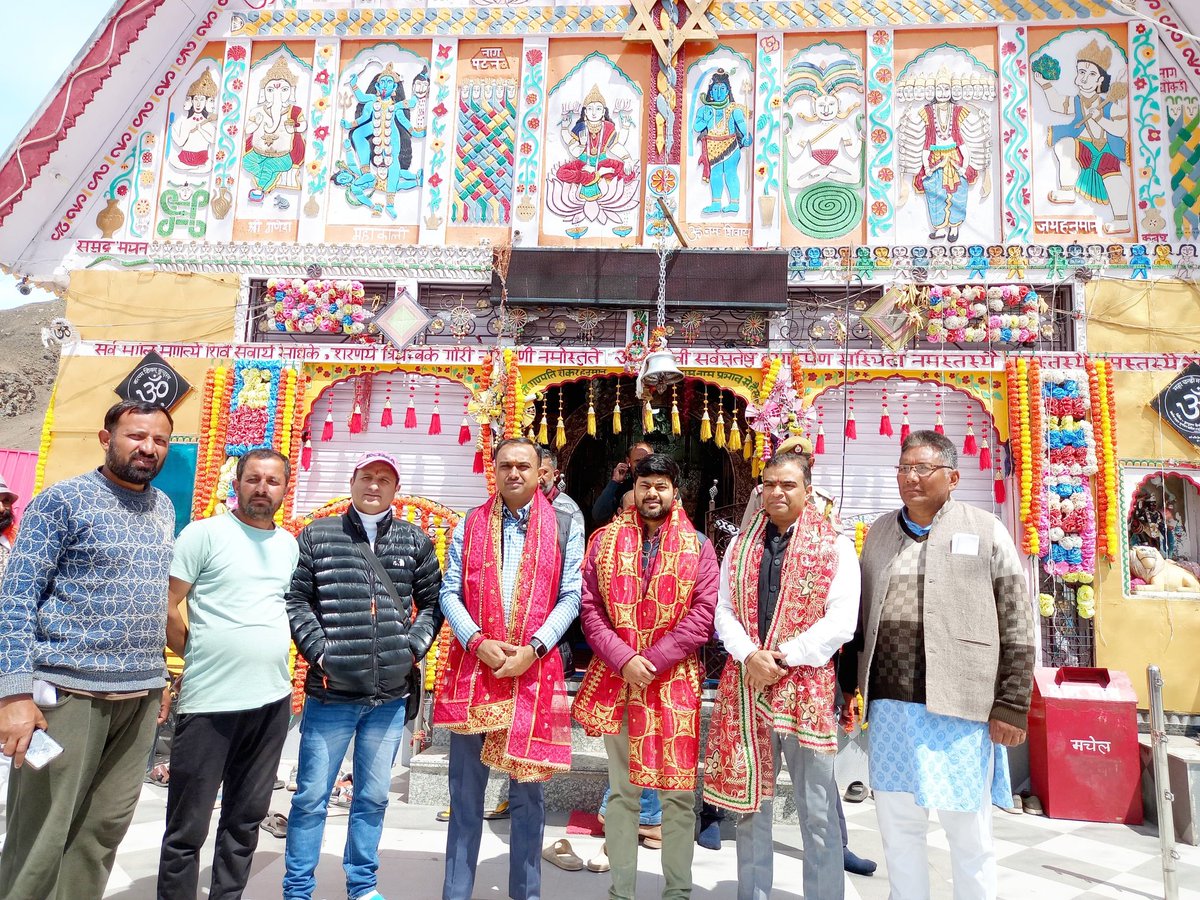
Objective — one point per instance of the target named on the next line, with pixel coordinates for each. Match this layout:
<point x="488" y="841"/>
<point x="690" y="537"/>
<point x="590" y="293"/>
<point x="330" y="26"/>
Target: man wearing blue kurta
<point x="946" y="664"/>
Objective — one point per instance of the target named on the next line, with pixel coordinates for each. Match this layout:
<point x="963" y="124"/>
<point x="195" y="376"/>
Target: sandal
<point x="560" y="854"/>
<point x="276" y="825"/>
<point x="599" y="863"/>
<point x="160" y="775"/>
<point x="856" y="792"/>
<point x="500" y="812"/>
<point x="650" y="836"/>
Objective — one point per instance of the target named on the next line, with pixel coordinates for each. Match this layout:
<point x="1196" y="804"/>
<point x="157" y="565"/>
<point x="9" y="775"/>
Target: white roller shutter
<point x="433" y="466"/>
<point x="861" y="472"/>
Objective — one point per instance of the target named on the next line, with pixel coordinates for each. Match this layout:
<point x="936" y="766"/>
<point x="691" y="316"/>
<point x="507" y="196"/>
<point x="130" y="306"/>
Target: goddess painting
<point x="194" y="133"/>
<point x="1091" y="151"/>
<point x="599" y="183"/>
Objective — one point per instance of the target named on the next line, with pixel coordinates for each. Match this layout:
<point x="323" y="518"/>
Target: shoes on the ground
<point x="1017" y="807"/>
<point x="343" y="790"/>
<point x="500" y="812"/>
<point x="276" y="825"/>
<point x="856" y="793"/>
<point x="709" y="836"/>
<point x="444" y="815"/>
<point x="279" y="784"/>
<point x="650" y="836"/>
<point x="1033" y="806"/>
<point x="160" y="775"/>
<point x="291" y="779"/>
<point x="599" y="862"/>
<point x="560" y="854"/>
<point x="856" y="865"/>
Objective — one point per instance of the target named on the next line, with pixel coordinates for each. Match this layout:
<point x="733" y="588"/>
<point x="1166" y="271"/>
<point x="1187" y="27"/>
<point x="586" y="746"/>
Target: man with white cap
<point x="363" y="607"/>
<point x="7" y="523"/>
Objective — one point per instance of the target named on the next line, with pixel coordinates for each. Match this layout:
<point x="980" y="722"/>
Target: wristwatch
<point x="539" y="649"/>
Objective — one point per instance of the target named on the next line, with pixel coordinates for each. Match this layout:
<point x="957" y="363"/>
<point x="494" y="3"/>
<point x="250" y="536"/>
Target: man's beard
<point x="127" y="471"/>
<point x="6" y="520"/>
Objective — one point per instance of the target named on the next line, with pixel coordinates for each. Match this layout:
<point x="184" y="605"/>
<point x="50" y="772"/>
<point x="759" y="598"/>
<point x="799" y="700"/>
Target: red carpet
<point x="584" y="823"/>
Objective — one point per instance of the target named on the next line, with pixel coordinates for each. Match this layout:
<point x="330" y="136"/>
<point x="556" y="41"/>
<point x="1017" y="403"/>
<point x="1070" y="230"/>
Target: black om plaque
<point x="1179" y="403"/>
<point x="154" y="381"/>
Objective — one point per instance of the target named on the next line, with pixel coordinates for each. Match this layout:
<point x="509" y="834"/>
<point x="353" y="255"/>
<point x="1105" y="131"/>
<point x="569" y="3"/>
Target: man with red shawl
<point x="510" y="589"/>
<point x="788" y="601"/>
<point x="649" y="594"/>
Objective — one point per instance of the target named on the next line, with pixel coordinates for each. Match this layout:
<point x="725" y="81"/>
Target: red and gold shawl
<point x="664" y="718"/>
<point x="739" y="770"/>
<point x="526" y="719"/>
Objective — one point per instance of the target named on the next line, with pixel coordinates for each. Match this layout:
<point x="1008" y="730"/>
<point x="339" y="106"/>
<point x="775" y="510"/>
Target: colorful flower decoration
<point x="1104" y="427"/>
<point x="975" y="314"/>
<point x="315" y="307"/>
<point x="1070" y="548"/>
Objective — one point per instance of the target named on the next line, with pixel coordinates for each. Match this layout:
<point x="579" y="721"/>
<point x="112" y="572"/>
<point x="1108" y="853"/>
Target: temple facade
<point x="337" y="226"/>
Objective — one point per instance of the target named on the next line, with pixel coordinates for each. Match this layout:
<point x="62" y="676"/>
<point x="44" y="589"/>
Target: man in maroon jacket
<point x="649" y="596"/>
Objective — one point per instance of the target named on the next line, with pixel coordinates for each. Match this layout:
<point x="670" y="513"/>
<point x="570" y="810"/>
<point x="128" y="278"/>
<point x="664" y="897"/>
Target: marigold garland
<point x="219" y="430"/>
<point x="1096" y="396"/>
<point x="1037" y="458"/>
<point x="44" y="444"/>
<point x="1108" y="447"/>
<point x="860" y="536"/>
<point x="204" y="444"/>
<point x="1029" y="541"/>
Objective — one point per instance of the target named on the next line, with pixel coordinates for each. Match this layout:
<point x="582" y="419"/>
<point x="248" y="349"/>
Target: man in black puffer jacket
<point x="362" y="641"/>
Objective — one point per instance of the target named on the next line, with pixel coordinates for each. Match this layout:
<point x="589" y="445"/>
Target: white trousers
<point x="903" y="825"/>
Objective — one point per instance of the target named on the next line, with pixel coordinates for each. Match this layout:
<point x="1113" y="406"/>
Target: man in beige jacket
<point x="945" y="661"/>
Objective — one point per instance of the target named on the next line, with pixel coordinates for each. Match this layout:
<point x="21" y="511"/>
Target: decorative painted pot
<point x="766" y="206"/>
<point x="110" y="219"/>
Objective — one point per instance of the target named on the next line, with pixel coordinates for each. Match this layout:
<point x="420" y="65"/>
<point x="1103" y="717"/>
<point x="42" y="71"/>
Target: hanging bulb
<point x="705" y="425"/>
<point x="385" y="418"/>
<point x="306" y="455"/>
<point x="591" y="419"/>
<point x="734" y="444"/>
<point x="719" y="435"/>
<point x="356" y="422"/>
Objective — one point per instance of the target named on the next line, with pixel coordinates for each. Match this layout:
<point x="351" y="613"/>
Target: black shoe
<point x="710" y="836"/>
<point x="856" y="865"/>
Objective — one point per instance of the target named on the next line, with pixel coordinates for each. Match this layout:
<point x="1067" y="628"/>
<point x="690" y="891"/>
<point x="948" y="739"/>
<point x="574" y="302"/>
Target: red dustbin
<point x="1084" y="759"/>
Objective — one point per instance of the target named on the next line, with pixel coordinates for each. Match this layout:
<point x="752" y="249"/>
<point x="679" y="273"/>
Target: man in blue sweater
<point x="83" y="610"/>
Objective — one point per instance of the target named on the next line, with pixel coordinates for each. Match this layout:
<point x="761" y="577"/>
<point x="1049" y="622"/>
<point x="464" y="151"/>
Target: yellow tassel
<point x="720" y="435"/>
<point x="734" y="444"/>
<point x="755" y="467"/>
<point x="647" y="417"/>
<point x="591" y="420"/>
<point x="560" y="433"/>
<point x="675" y="427"/>
<point x="705" y="426"/>
<point x="616" y="422"/>
<point x="748" y="447"/>
<point x="543" y="435"/>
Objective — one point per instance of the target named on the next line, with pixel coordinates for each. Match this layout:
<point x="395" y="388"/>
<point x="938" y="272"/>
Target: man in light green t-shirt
<point x="235" y="700"/>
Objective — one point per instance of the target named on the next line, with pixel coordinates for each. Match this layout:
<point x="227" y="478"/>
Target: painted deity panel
<point x="1080" y="109"/>
<point x="719" y="93"/>
<point x="486" y="134"/>
<point x="275" y="136"/>
<point x="824" y="133"/>
<point x="593" y="153"/>
<point x="191" y="150"/>
<point x="946" y="133"/>
<point x="380" y="137"/>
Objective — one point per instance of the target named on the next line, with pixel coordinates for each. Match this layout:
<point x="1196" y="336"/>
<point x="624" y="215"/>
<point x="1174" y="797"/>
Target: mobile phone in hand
<point x="42" y="749"/>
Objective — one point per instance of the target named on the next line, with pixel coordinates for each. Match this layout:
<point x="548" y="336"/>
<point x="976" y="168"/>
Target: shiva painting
<point x="945" y="128"/>
<point x="824" y="131"/>
<point x="718" y="88"/>
<point x="1080" y="100"/>
<point x="381" y="136"/>
<point x="274" y="136"/>
<point x="593" y="148"/>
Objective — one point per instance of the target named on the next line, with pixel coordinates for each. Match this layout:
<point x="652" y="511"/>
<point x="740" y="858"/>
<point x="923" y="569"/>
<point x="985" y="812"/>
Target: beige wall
<point x="1131" y="633"/>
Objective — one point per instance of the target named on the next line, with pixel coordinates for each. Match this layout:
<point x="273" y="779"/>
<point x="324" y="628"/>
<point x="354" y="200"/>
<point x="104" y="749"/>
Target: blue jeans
<point x="526" y="801"/>
<point x="651" y="812"/>
<point x="325" y="733"/>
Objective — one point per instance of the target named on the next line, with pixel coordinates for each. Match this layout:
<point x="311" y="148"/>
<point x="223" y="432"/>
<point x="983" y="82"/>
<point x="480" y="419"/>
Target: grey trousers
<point x="816" y="803"/>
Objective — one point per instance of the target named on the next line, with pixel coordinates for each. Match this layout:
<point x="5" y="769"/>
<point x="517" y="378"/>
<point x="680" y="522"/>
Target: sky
<point x="32" y="62"/>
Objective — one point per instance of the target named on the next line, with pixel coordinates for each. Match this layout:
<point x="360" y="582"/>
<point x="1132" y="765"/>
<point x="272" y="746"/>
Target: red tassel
<point x="356" y="420"/>
<point x="998" y="488"/>
<point x="939" y="426"/>
<point x="820" y="445"/>
<point x="905" y="430"/>
<point x="885" y="424"/>
<point x="327" y="428"/>
<point x="477" y="468"/>
<point x="970" y="445"/>
<point x="410" y="415"/>
<point x="851" y="428"/>
<point x="385" y="419"/>
<point x="306" y="456"/>
<point x="464" y="432"/>
<point x="985" y="457"/>
<point x="435" y="422"/>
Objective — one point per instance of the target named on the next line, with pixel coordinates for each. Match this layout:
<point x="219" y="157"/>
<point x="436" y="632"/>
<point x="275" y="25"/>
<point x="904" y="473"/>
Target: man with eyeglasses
<point x="945" y="661"/>
<point x="787" y="601"/>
